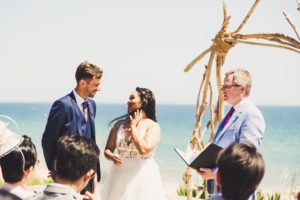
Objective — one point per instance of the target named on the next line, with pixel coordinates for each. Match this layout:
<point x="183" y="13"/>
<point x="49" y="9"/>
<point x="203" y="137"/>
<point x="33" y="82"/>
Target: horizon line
<point x="164" y="103"/>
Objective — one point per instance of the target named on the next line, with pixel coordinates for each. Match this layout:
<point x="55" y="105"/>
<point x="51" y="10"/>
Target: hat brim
<point x="9" y="143"/>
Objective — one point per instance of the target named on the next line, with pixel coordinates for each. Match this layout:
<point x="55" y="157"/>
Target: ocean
<point x="280" y="148"/>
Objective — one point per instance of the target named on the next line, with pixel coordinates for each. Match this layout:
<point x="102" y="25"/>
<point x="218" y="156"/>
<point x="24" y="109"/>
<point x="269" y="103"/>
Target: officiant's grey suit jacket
<point x="247" y="124"/>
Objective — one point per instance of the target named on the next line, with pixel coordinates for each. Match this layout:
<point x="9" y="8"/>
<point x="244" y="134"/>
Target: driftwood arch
<point x="222" y="43"/>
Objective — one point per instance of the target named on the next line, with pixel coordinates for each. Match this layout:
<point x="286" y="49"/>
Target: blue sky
<point x="138" y="43"/>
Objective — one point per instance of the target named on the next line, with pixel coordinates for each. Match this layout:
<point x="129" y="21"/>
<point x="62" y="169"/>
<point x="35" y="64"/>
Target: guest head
<point x="18" y="157"/>
<point x="142" y="98"/>
<point x="240" y="170"/>
<point x="237" y="85"/>
<point x="77" y="157"/>
<point x="88" y="79"/>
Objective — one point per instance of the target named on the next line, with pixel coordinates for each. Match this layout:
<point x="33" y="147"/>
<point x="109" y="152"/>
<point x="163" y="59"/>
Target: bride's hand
<point x="117" y="159"/>
<point x="138" y="115"/>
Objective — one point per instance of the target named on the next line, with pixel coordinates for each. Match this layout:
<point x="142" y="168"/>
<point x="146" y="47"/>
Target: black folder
<point x="206" y="158"/>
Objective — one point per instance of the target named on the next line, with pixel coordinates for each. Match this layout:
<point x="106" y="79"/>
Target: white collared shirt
<point x="79" y="100"/>
<point x="237" y="106"/>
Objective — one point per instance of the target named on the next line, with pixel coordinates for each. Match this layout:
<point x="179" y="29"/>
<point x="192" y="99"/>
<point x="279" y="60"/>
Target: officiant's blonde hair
<point x="241" y="77"/>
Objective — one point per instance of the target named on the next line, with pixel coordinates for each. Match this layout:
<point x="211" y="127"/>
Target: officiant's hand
<point x="117" y="159"/>
<point x="206" y="173"/>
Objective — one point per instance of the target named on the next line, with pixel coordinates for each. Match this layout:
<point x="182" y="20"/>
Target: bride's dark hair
<point x="148" y="105"/>
<point x="148" y="102"/>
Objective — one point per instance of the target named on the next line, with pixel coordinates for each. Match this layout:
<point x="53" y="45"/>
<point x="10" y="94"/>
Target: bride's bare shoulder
<point x="153" y="124"/>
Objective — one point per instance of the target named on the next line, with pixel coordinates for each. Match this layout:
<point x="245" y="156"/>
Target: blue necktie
<point x="85" y="110"/>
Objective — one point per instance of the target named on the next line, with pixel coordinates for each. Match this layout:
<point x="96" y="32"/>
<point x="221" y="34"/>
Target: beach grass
<point x="34" y="182"/>
<point x="40" y="181"/>
<point x="262" y="196"/>
<point x="283" y="194"/>
<point x="197" y="192"/>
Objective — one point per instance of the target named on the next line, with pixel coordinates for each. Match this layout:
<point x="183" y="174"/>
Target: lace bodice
<point x="127" y="149"/>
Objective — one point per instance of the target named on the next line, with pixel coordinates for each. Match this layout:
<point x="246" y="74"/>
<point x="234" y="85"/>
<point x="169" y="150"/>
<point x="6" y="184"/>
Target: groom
<point x="73" y="114"/>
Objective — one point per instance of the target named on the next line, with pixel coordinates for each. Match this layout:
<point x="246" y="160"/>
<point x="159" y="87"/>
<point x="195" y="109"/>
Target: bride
<point x="134" y="174"/>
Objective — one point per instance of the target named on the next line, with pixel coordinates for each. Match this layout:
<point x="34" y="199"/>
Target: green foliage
<point x="202" y="195"/>
<point x="261" y="196"/>
<point x="39" y="181"/>
<point x="275" y="196"/>
<point x="181" y="191"/>
<point x="196" y="192"/>
<point x="199" y="193"/>
<point x="35" y="181"/>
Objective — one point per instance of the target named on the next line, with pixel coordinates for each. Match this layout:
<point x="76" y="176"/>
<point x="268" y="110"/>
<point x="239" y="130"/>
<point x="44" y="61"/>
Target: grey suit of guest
<point x="57" y="192"/>
<point x="5" y="195"/>
<point x="247" y="124"/>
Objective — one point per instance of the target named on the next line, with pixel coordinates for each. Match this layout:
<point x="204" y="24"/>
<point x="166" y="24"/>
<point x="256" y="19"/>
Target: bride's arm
<point x="111" y="145"/>
<point x="151" y="138"/>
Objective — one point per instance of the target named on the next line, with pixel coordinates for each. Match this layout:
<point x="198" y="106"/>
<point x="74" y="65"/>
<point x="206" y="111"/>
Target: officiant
<point x="244" y="122"/>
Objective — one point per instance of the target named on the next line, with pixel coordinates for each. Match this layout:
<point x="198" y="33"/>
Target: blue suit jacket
<point x="65" y="117"/>
<point x="247" y="124"/>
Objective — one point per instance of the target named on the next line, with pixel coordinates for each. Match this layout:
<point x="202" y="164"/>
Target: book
<point x="206" y="158"/>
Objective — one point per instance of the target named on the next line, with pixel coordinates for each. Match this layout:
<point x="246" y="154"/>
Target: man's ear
<point x="28" y="171"/>
<point x="243" y="88"/>
<point x="82" y="82"/>
<point x="89" y="174"/>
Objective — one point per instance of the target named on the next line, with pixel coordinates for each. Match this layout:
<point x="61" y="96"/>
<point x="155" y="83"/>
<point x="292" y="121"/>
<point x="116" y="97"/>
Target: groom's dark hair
<point x="76" y="155"/>
<point x="87" y="71"/>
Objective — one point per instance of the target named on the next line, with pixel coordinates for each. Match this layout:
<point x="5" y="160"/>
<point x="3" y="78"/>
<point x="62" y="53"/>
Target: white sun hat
<point x="8" y="140"/>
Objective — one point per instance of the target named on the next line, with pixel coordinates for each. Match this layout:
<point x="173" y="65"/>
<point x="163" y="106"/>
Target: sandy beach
<point x="170" y="188"/>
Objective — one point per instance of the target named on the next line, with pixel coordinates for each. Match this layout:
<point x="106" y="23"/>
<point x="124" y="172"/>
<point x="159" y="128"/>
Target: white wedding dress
<point x="137" y="178"/>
